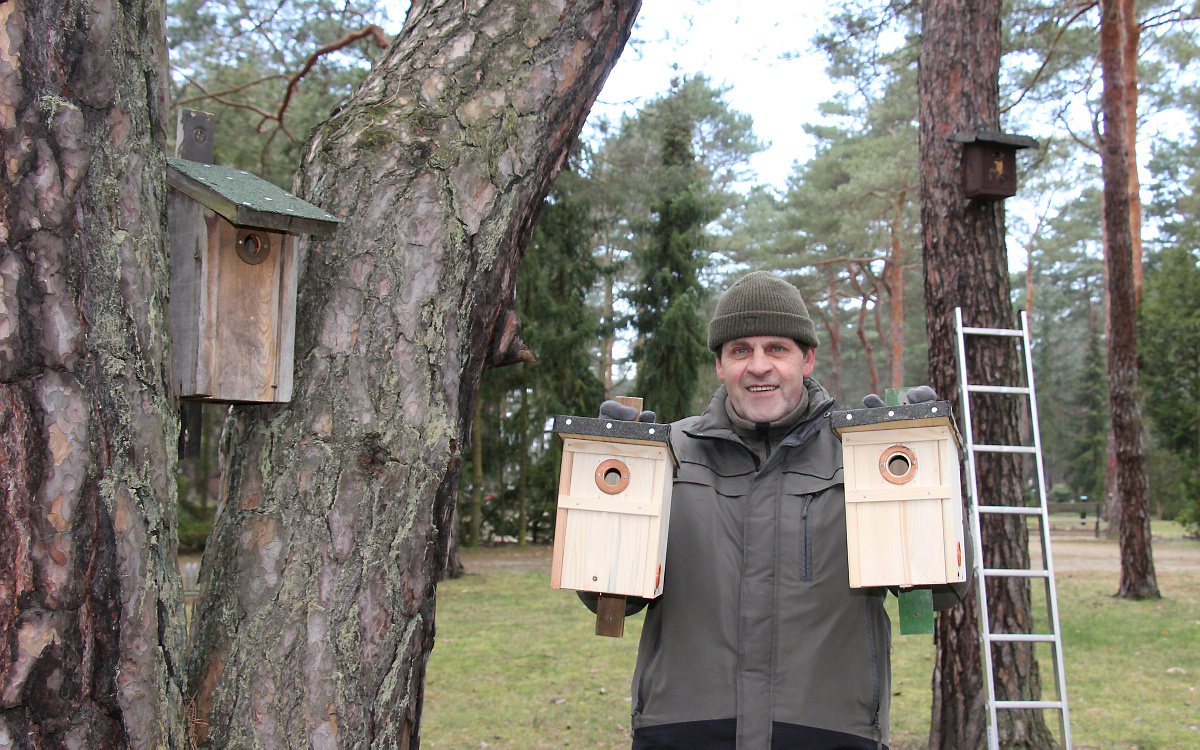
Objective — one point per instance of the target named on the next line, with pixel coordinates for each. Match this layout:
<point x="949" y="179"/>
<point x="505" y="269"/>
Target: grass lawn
<point x="516" y="665"/>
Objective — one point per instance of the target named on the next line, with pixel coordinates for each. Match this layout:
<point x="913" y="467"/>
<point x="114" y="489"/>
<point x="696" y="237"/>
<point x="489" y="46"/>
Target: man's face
<point x="764" y="375"/>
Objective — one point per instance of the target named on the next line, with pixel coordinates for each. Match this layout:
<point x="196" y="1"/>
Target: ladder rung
<point x="1004" y="449"/>
<point x="1029" y="704"/>
<point x="1010" y="510"/>
<point x="994" y="331"/>
<point x="1017" y="390"/>
<point x="1015" y="573"/>
<point x="1022" y="637"/>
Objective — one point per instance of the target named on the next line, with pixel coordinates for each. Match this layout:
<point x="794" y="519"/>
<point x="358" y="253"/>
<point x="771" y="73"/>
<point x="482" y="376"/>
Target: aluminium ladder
<point x="987" y="637"/>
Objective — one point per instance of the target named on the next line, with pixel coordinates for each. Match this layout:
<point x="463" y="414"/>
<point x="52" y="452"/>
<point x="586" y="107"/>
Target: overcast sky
<point x="740" y="45"/>
<point x="736" y="44"/>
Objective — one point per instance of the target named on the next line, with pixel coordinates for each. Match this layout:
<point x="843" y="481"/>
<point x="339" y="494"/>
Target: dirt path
<point x="1170" y="555"/>
<point x="1071" y="552"/>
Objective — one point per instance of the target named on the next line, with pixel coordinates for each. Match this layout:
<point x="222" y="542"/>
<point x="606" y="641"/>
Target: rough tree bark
<point x="1138" y="580"/>
<point x="1129" y="72"/>
<point x="317" y="587"/>
<point x="90" y="607"/>
<point x="966" y="265"/>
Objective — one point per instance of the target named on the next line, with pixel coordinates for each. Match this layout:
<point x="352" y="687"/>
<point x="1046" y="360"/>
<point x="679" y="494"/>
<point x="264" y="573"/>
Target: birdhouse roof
<point x="927" y="414"/>
<point x="248" y="200"/>
<point x="614" y="431"/>
<point x="994" y="137"/>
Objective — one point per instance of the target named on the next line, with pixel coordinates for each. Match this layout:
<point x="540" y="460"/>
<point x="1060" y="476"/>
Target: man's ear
<point x="720" y="370"/>
<point x="810" y="361"/>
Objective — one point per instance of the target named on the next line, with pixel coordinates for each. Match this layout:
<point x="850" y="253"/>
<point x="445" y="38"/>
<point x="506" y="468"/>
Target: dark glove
<point x="613" y="410"/>
<point x="916" y="395"/>
<point x="633" y="604"/>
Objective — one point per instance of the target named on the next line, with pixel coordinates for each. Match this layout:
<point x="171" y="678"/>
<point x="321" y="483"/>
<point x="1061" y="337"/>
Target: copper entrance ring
<point x="612" y="476"/>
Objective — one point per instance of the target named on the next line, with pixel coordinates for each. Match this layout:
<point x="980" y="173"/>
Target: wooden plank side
<point x="219" y="231"/>
<point x="891" y="437"/>
<point x="890" y="494"/>
<point x="901" y="425"/>
<point x="610" y="616"/>
<point x="618" y="448"/>
<point x="583" y="475"/>
<point x="609" y="505"/>
<point x="662" y="481"/>
<point x="189" y="238"/>
<point x="864" y="472"/>
<point x="288" y="285"/>
<point x="923" y="542"/>
<point x="604" y="552"/>
<point x="952" y="517"/>
<point x="881" y="552"/>
<point x="244" y="346"/>
<point x="634" y="401"/>
<point x="560" y="519"/>
<point x="853" y="552"/>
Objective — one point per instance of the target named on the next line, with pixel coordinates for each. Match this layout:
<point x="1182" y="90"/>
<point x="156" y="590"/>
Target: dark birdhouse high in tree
<point x="989" y="162"/>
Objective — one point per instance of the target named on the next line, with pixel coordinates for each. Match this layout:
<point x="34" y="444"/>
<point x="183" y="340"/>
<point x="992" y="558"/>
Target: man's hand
<point x="917" y="395"/>
<point x="613" y="410"/>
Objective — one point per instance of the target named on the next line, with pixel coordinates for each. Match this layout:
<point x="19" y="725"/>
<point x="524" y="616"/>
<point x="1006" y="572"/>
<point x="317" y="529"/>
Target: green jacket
<point x="757" y="621"/>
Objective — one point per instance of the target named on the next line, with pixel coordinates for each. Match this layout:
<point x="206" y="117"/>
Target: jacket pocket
<point x="800" y="492"/>
<point x="735" y="485"/>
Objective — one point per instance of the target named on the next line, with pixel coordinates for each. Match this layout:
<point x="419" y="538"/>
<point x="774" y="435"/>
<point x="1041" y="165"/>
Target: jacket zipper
<point x="806" y="572"/>
<point x="641" y="695"/>
<point x="876" y="682"/>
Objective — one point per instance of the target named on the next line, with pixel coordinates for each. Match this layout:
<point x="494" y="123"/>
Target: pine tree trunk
<point x="317" y="589"/>
<point x="476" y="525"/>
<point x="966" y="265"/>
<point x="1129" y="73"/>
<point x="1138" y="579"/>
<point x="90" y="606"/>
<point x="523" y="470"/>
<point x="834" y="327"/>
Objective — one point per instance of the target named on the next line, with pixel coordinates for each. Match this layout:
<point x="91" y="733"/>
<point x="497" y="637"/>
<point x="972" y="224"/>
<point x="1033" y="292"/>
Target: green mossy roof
<point x="249" y="200"/>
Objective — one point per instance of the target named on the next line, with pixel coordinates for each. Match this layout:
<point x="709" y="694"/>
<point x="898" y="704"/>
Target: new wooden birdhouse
<point x="989" y="162"/>
<point x="904" y="522"/>
<point x="614" y="506"/>
<point x="232" y="302"/>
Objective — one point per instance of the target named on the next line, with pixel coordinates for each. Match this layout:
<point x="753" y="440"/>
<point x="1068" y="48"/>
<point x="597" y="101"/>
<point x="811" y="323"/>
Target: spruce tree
<point x="671" y="346"/>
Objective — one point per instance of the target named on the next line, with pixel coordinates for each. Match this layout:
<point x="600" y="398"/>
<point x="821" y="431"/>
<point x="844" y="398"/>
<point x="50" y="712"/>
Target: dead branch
<point x="225" y="92"/>
<point x="1083" y="8"/>
<point x="371" y="30"/>
<point x="1166" y="18"/>
<point x="375" y="33"/>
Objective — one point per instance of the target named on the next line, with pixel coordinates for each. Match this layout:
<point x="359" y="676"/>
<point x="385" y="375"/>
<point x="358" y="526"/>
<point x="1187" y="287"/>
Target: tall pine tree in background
<point x="1170" y="353"/>
<point x="671" y="336"/>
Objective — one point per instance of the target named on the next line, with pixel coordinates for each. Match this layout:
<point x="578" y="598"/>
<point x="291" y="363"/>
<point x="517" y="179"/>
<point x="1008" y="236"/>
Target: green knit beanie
<point x="760" y="304"/>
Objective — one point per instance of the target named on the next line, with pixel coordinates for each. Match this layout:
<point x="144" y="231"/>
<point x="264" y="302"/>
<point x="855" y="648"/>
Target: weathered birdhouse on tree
<point x="614" y="507"/>
<point x="232" y="305"/>
<point x="904" y="523"/>
<point x="989" y="162"/>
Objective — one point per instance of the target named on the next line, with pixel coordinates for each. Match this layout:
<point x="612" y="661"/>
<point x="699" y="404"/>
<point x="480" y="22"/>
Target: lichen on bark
<point x="438" y="166"/>
<point x="87" y="529"/>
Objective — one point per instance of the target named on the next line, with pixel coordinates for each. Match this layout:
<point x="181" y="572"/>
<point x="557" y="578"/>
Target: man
<point x="758" y="642"/>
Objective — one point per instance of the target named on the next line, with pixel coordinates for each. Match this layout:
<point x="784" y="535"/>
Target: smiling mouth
<point x="761" y="388"/>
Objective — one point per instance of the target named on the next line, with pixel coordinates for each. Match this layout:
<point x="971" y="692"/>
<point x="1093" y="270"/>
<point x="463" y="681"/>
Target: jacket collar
<point x="715" y="423"/>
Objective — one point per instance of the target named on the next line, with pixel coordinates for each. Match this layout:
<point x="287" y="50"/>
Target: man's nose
<point x="759" y="362"/>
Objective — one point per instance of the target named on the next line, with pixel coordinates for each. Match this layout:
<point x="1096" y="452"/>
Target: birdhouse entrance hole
<point x="252" y="247"/>
<point x="612" y="476"/>
<point x="898" y="464"/>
